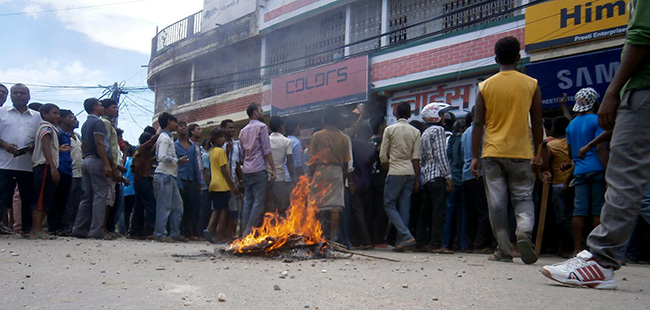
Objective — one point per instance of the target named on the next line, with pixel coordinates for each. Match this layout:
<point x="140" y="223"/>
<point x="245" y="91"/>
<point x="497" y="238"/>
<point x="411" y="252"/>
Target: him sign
<point x="564" y="22"/>
<point x="342" y="82"/>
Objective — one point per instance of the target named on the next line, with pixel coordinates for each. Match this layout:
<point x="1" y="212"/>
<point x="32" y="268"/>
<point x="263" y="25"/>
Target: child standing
<point x="45" y="162"/>
<point x="169" y="205"/>
<point x="220" y="187"/>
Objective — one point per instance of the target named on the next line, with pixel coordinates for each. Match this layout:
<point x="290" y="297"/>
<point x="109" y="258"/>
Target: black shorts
<point x="219" y="200"/>
<point x="44" y="189"/>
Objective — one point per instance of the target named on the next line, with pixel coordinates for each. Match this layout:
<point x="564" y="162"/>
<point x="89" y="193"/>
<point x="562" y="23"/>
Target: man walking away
<point x="626" y="110"/>
<point x="400" y="151"/>
<point x="504" y="104"/>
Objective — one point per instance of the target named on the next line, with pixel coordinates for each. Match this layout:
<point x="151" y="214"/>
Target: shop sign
<point x="459" y="94"/>
<point x="570" y="74"/>
<point x="563" y="22"/>
<point x="339" y="83"/>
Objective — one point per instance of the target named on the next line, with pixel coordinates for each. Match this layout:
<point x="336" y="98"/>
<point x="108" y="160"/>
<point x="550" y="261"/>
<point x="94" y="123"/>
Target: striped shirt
<point x="433" y="155"/>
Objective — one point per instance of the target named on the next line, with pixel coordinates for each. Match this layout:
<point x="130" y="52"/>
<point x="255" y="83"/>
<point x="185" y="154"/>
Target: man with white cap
<point x="436" y="179"/>
<point x="589" y="171"/>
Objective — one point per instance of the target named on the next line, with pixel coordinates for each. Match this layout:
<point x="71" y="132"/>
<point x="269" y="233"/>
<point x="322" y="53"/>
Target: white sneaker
<point x="581" y="270"/>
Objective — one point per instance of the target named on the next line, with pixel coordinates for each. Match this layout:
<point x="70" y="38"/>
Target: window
<point x="315" y="41"/>
<point x="230" y="68"/>
<point x="365" y="23"/>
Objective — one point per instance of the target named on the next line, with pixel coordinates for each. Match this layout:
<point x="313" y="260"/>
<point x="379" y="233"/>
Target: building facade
<point x="295" y="57"/>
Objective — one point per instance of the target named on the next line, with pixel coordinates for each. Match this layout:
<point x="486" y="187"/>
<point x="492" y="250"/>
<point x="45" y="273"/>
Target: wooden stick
<point x="340" y="248"/>
<point x="542" y="217"/>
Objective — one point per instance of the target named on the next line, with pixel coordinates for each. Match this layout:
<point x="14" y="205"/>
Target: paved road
<point x="70" y="273"/>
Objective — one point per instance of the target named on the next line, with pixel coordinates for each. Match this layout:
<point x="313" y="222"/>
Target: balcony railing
<point x="177" y="31"/>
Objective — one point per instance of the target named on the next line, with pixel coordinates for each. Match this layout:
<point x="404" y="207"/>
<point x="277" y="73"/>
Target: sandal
<point x="207" y="235"/>
<point x="41" y="236"/>
<point x="498" y="258"/>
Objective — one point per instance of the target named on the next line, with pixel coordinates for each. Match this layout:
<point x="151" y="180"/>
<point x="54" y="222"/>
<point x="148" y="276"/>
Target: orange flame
<point x="300" y="222"/>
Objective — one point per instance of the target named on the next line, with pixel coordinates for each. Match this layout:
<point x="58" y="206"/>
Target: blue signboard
<point x="570" y="74"/>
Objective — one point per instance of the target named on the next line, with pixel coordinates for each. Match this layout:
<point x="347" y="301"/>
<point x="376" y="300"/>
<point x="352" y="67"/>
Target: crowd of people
<point x="474" y="185"/>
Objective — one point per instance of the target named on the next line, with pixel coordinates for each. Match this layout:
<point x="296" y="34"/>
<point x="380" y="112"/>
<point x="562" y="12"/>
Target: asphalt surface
<point x="70" y="273"/>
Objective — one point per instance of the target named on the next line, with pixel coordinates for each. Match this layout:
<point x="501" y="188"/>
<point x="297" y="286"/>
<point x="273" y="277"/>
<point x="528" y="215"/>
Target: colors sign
<point x="570" y="74"/>
<point x="563" y="22"/>
<point x="342" y="82"/>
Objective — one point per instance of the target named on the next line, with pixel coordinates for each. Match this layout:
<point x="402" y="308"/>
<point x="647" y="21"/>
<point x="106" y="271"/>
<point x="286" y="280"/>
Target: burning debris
<point x="298" y="235"/>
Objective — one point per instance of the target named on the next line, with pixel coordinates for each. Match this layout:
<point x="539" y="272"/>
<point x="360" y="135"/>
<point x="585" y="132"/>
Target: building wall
<point x="415" y="53"/>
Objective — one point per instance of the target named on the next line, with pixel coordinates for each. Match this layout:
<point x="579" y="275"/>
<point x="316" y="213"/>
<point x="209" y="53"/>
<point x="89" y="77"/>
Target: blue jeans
<point x="169" y="205"/>
<point x="144" y="210"/>
<point x="590" y="193"/>
<point x="454" y="231"/>
<point x="254" y="194"/>
<point x="397" y="203"/>
<point x="563" y="208"/>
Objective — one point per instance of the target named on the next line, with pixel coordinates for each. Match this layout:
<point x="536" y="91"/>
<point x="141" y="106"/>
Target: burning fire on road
<point x="297" y="234"/>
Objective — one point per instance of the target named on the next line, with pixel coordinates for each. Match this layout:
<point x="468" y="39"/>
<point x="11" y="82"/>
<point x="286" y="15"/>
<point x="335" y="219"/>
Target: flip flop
<point x="207" y="235"/>
<point x="42" y="236"/>
<point x="497" y="258"/>
<point x="528" y="255"/>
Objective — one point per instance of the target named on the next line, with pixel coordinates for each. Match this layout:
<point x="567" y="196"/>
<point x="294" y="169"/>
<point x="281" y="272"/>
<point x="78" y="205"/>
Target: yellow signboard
<point x="562" y="22"/>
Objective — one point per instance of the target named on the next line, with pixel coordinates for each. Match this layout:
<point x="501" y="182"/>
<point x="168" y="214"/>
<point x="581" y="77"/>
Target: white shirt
<point x="166" y="153"/>
<point x="19" y="129"/>
<point x="281" y="146"/>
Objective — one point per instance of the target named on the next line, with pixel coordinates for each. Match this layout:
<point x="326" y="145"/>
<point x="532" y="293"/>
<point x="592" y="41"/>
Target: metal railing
<point x="177" y="31"/>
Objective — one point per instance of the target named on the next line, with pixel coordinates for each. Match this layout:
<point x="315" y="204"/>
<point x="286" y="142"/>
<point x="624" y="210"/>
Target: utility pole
<point x="116" y="91"/>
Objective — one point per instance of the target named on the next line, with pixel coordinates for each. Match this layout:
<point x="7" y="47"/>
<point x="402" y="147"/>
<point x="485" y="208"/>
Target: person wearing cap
<point x="589" y="171"/>
<point x="436" y="180"/>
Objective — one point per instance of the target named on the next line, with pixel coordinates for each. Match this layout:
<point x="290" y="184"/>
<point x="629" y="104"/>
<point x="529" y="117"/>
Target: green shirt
<point x="115" y="148"/>
<point x="638" y="33"/>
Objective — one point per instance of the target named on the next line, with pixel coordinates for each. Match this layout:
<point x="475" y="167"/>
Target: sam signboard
<point x="342" y="82"/>
<point x="563" y="22"/>
<point x="570" y="74"/>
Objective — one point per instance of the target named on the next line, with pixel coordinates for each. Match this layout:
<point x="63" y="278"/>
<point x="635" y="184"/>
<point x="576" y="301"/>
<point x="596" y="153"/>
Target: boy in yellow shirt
<point x="504" y="104"/>
<point x="221" y="187"/>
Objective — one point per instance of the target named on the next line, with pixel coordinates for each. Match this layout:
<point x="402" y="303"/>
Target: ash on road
<point x="70" y="273"/>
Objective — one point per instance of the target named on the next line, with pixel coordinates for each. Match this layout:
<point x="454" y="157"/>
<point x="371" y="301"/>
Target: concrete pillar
<point x="384" y="22"/>
<point x="263" y="57"/>
<point x="348" y="28"/>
